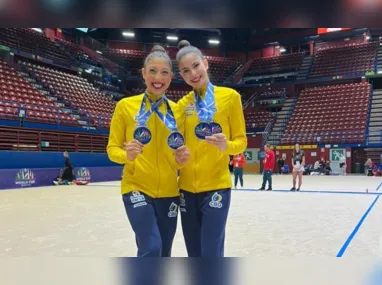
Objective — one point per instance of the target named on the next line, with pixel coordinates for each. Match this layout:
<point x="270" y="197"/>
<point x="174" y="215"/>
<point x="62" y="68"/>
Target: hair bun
<point x="183" y="43"/>
<point x="158" y="48"/>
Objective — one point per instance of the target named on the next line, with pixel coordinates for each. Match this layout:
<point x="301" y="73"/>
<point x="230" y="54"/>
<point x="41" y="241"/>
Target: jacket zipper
<point x="195" y="166"/>
<point x="156" y="145"/>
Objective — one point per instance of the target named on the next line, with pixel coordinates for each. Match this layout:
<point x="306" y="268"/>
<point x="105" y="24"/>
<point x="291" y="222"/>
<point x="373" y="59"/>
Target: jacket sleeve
<point x="237" y="143"/>
<point x="117" y="137"/>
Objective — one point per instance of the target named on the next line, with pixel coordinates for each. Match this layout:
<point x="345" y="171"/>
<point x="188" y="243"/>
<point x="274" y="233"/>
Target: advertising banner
<point x="36" y="177"/>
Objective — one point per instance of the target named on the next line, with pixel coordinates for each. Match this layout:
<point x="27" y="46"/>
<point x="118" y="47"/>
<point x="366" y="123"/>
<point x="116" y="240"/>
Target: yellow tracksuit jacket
<point x="207" y="168"/>
<point x="154" y="172"/>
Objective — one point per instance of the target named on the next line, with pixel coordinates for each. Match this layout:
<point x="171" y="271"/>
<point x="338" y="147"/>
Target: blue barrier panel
<point x="31" y="159"/>
<point x="42" y="127"/>
<point x="31" y="177"/>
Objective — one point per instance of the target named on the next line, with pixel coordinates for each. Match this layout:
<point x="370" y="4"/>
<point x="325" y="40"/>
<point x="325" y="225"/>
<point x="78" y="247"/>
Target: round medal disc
<point x="202" y="130"/>
<point x="216" y="128"/>
<point x="175" y="140"/>
<point x="142" y="134"/>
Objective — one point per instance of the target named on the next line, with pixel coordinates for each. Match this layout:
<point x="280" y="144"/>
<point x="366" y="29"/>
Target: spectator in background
<point x="66" y="175"/>
<point x="328" y="169"/>
<point x="280" y="163"/>
<point x="370" y="167"/>
<point x="342" y="164"/>
<point x="316" y="168"/>
<point x="238" y="162"/>
<point x="269" y="163"/>
<point x="322" y="166"/>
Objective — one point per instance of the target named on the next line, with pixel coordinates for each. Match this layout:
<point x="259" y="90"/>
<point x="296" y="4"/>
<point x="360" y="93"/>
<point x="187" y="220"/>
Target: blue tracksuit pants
<point x="204" y="217"/>
<point x="153" y="221"/>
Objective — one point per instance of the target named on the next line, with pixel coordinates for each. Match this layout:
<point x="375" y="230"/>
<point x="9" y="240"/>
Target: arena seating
<point x="268" y="98"/>
<point x="75" y="51"/>
<point x="220" y="68"/>
<point x="334" y="114"/>
<point x="15" y="92"/>
<point x="132" y="59"/>
<point x="271" y="94"/>
<point x="76" y="92"/>
<point x="257" y="119"/>
<point x="106" y="85"/>
<point x="330" y="114"/>
<point x="275" y="64"/>
<point x="176" y="95"/>
<point x="356" y="58"/>
<point x="31" y="41"/>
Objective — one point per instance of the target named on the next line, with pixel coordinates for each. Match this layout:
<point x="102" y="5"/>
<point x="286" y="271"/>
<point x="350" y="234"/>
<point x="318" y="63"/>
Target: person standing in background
<point x="269" y="163"/>
<point x="230" y="165"/>
<point x="238" y="162"/>
<point x="298" y="164"/>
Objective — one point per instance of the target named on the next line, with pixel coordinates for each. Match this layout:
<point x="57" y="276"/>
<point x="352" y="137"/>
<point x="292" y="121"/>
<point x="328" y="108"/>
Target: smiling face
<point x="193" y="70"/>
<point x="157" y="75"/>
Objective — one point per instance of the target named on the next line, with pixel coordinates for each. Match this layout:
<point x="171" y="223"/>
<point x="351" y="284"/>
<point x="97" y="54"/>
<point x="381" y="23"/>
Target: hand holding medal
<point x="132" y="148"/>
<point x="182" y="155"/>
<point x="218" y="140"/>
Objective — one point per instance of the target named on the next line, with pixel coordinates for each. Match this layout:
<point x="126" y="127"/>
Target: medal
<point x="142" y="134"/>
<point x="206" y="110"/>
<point x="216" y="128"/>
<point x="175" y="140"/>
<point x="203" y="130"/>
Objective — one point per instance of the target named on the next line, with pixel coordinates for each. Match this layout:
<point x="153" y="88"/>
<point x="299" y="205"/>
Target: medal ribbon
<point x="205" y="108"/>
<point x="168" y="119"/>
<point x="144" y="115"/>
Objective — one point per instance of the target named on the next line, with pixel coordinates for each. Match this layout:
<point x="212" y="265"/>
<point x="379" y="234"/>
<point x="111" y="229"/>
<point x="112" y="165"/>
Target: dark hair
<point x="186" y="48"/>
<point x="158" y="52"/>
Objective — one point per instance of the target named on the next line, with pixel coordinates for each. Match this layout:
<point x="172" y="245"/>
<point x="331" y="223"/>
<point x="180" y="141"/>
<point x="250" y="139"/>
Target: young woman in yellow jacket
<point x="214" y="129"/>
<point x="152" y="156"/>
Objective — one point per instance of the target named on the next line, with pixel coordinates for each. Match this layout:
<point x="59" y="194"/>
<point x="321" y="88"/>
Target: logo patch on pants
<point x="173" y="210"/>
<point x="216" y="201"/>
<point x="137" y="199"/>
<point x="182" y="205"/>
